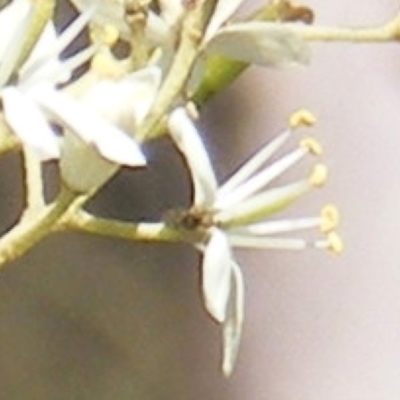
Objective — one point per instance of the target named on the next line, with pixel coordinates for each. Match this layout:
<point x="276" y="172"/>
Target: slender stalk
<point x="30" y="231"/>
<point x="384" y="33"/>
<point x="147" y="232"/>
<point x="33" y="183"/>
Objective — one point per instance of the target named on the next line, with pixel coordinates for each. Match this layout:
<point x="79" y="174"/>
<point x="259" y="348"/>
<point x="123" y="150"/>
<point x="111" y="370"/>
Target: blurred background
<point x="84" y="317"/>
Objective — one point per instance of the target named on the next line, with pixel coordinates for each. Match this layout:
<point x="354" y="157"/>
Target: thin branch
<point x="144" y="231"/>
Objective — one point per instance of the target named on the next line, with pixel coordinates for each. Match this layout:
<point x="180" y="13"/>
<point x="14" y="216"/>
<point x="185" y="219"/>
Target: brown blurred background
<point x="83" y="317"/>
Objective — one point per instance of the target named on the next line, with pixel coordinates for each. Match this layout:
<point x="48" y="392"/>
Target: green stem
<point x="30" y="231"/>
<point x="147" y="232"/>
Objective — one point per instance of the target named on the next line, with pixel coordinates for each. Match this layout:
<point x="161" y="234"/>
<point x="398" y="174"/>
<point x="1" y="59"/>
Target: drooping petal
<point x="223" y="10"/>
<point x="111" y="143"/>
<point x="188" y="141"/>
<point x="125" y="102"/>
<point x="29" y="124"/>
<point x="262" y="43"/>
<point x="217" y="274"/>
<point x="232" y="328"/>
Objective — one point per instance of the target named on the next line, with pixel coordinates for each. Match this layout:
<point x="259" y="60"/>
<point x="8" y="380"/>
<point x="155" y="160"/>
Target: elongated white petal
<point x="223" y="10"/>
<point x="125" y="102"/>
<point x="188" y="141"/>
<point x="232" y="328"/>
<point x="261" y="180"/>
<point x="216" y="274"/>
<point x="253" y="164"/>
<point x="112" y="143"/>
<point x="263" y="43"/>
<point x="29" y="124"/>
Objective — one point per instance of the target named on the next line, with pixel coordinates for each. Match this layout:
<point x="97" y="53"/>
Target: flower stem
<point x="147" y="232"/>
<point x="30" y="231"/>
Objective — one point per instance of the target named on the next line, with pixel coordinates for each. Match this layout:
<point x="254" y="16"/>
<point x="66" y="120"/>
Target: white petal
<point x="263" y="43"/>
<point x="132" y="97"/>
<point x="29" y="124"/>
<point x="232" y="329"/>
<point x="223" y="10"/>
<point x="188" y="141"/>
<point x="171" y="10"/>
<point x="216" y="274"/>
<point x="111" y="142"/>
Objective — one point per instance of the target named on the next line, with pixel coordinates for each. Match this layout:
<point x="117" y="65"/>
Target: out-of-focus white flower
<point x="43" y="69"/>
<point x="97" y="128"/>
<point x="238" y="213"/>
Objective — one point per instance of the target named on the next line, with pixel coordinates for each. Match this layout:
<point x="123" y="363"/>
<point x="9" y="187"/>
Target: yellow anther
<point x="311" y="145"/>
<point x="335" y="243"/>
<point x="110" y="35"/>
<point x="329" y="218"/>
<point x="302" y="117"/>
<point x="319" y="175"/>
<point x="105" y="66"/>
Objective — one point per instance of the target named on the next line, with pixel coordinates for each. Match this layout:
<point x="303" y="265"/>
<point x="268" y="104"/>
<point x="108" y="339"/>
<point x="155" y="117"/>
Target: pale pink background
<point x="321" y="327"/>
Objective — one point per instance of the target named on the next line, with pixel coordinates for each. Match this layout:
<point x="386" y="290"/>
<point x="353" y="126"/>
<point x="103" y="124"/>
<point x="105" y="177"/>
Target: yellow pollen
<point x="311" y="145"/>
<point x="329" y="218"/>
<point x="319" y="175"/>
<point x="105" y="66"/>
<point x="302" y="117"/>
<point x="110" y="35"/>
<point x="335" y="243"/>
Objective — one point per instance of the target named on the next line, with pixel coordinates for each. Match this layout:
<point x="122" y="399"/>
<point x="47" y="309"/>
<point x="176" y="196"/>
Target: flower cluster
<point x="94" y="124"/>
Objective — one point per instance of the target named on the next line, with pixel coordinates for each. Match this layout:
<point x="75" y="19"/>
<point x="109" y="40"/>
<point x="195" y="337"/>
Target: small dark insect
<point x="190" y="219"/>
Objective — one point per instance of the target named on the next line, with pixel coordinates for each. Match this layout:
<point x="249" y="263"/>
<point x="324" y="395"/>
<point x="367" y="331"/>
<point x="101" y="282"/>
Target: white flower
<point x="42" y="69"/>
<point x="97" y="129"/>
<point x="234" y="215"/>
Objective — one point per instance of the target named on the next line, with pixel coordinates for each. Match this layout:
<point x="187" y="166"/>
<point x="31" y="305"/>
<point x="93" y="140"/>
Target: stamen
<point x="110" y="35"/>
<point x="267" y="242"/>
<point x="319" y="175"/>
<point x="333" y="243"/>
<point x="280" y="226"/>
<point x="302" y="117"/>
<point x="259" y="181"/>
<point x="253" y="164"/>
<point x="261" y="206"/>
<point x="105" y="66"/>
<point x="329" y="218"/>
<point x="311" y="145"/>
